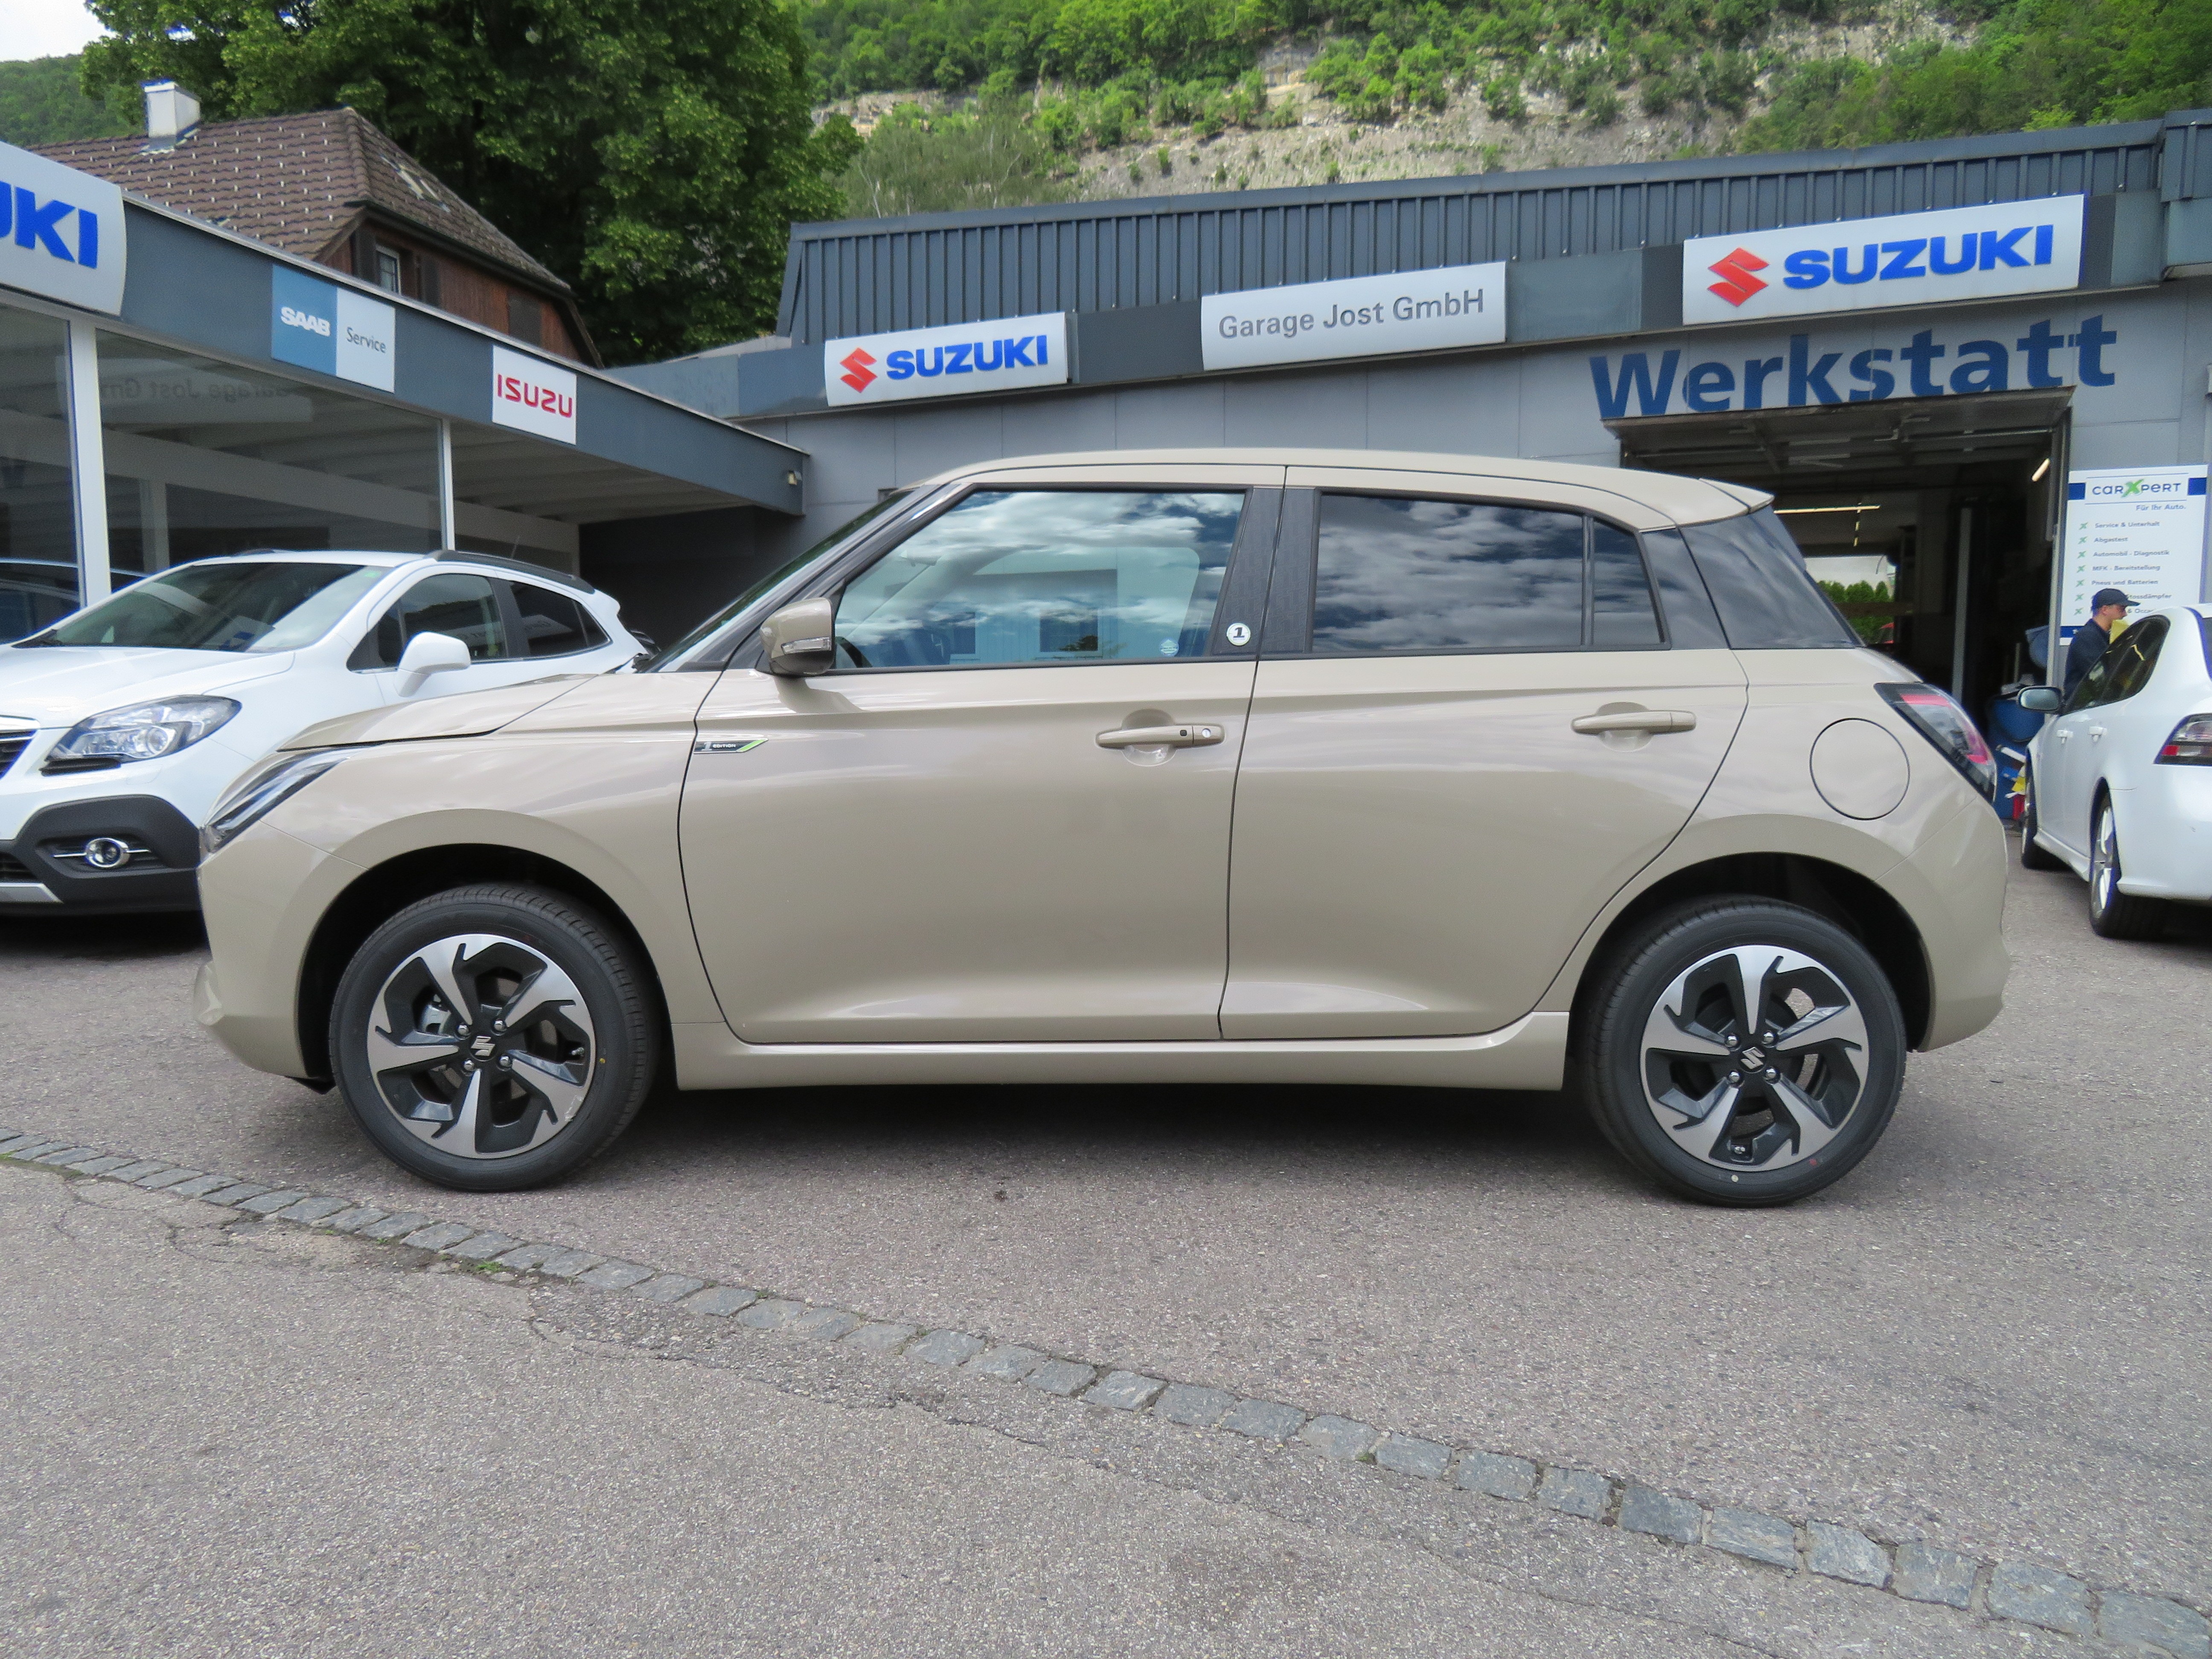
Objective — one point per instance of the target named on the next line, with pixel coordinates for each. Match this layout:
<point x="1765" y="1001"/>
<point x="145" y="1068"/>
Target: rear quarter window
<point x="1767" y="598"/>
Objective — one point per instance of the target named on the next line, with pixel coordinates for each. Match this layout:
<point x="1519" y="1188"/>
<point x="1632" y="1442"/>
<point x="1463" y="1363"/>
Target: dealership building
<point x="1974" y="372"/>
<point x="170" y="390"/>
<point x="1915" y="347"/>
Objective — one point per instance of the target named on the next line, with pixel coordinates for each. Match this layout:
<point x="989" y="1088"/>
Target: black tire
<point x="535" y="1102"/>
<point x="2032" y="857"/>
<point x="2112" y="914"/>
<point x="1777" y="1159"/>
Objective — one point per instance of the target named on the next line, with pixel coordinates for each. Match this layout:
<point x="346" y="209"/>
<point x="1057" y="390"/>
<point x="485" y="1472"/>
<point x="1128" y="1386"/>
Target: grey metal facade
<point x="867" y="276"/>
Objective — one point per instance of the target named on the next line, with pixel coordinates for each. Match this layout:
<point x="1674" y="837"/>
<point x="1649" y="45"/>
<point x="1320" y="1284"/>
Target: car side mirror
<point x="2040" y="699"/>
<point x="427" y="654"/>
<point x="801" y="639"/>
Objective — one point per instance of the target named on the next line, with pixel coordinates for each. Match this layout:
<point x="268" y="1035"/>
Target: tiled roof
<point x="296" y="182"/>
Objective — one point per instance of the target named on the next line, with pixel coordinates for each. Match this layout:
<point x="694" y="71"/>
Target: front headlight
<point x="144" y="731"/>
<point x="261" y="791"/>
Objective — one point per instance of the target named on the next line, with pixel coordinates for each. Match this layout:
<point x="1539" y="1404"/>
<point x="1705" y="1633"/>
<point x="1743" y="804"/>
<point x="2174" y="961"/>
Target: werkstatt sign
<point x="533" y="396"/>
<point x="943" y="362"/>
<point x="1905" y="259"/>
<point x="61" y="231"/>
<point x="1355" y="317"/>
<point x="334" y="330"/>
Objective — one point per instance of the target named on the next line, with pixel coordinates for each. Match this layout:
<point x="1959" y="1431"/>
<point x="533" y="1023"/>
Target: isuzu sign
<point x="320" y="325"/>
<point x="1357" y="317"/>
<point x="61" y="231"/>
<point x="944" y="363"/>
<point x="533" y="396"/>
<point x="1905" y="259"/>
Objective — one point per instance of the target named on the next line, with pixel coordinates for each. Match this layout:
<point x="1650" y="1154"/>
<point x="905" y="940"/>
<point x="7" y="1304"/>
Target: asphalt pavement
<point x="1991" y="1336"/>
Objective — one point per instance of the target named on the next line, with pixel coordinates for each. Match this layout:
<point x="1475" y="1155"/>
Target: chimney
<point x="171" y="113"/>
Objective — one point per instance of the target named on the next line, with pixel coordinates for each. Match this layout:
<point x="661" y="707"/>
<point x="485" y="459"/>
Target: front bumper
<point x="45" y="869"/>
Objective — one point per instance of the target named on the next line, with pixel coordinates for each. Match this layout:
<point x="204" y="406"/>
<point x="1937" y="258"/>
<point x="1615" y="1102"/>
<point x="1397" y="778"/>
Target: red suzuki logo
<point x="1737" y="282"/>
<point x="859" y="370"/>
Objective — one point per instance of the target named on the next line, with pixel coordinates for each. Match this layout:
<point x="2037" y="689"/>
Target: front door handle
<point x="1639" y="719"/>
<point x="1160" y="737"/>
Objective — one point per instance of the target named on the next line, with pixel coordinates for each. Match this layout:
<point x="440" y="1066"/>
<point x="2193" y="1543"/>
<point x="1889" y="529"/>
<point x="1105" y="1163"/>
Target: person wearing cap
<point x="2108" y="614"/>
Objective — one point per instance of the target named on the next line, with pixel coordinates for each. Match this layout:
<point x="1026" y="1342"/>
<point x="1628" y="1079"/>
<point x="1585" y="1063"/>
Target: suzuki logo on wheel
<point x="1737" y="282"/>
<point x="859" y="368"/>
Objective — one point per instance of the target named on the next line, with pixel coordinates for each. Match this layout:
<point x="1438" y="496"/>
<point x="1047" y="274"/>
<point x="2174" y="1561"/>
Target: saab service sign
<point x="61" y="231"/>
<point x="533" y="396"/>
<point x="1905" y="259"/>
<point x="1357" y="317"/>
<point x="1003" y="355"/>
<point x="332" y="330"/>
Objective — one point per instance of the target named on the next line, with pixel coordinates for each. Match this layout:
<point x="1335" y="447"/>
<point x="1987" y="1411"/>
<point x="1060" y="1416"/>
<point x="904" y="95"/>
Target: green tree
<point x="653" y="152"/>
<point x="917" y="163"/>
<point x="41" y="103"/>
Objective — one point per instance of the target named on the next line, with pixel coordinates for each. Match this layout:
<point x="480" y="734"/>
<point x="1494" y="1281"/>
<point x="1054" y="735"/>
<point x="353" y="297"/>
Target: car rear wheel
<point x="2032" y="857"/>
<point x="1741" y="1051"/>
<point x="2112" y="914"/>
<point x="494" y="1037"/>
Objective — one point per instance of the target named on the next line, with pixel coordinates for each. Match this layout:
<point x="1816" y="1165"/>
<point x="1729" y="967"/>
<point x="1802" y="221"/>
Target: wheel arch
<point x="372" y="898"/>
<point x="1855" y="903"/>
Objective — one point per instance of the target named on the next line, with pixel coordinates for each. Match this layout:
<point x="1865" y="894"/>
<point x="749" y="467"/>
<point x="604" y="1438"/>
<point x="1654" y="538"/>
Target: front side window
<point x="2133" y="656"/>
<point x="222" y="607"/>
<point x="1041" y="577"/>
<point x="554" y="624"/>
<point x="462" y="605"/>
<point x="1396" y="577"/>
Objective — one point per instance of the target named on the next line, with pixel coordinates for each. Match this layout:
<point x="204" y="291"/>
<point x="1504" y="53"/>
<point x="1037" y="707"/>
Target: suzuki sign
<point x="944" y="362"/>
<point x="61" y="231"/>
<point x="1905" y="259"/>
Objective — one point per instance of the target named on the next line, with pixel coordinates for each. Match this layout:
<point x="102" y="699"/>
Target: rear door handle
<point x="1160" y="737"/>
<point x="2096" y="734"/>
<point x="1639" y="719"/>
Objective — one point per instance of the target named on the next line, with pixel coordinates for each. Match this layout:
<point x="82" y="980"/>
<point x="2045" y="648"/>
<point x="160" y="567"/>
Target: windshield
<point x="222" y="607"/>
<point x="673" y="658"/>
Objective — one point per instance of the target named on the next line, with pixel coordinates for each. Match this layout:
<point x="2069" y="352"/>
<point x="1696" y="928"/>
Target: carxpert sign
<point x="61" y="231"/>
<point x="1905" y="259"/>
<point x="1924" y="364"/>
<point x="944" y="362"/>
<point x="1355" y="317"/>
<point x="2138" y="529"/>
<point x="533" y="396"/>
<point x="332" y="330"/>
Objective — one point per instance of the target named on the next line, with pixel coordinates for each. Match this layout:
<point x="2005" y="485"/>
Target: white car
<point x="2121" y="779"/>
<point x="121" y="723"/>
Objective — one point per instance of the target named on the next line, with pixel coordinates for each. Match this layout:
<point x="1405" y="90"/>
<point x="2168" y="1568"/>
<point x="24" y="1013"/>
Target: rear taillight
<point x="1939" y="719"/>
<point x="2190" y="744"/>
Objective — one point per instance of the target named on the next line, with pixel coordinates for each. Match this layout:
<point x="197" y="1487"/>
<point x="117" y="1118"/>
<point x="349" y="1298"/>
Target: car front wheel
<point x="494" y="1037"/>
<point x="1741" y="1051"/>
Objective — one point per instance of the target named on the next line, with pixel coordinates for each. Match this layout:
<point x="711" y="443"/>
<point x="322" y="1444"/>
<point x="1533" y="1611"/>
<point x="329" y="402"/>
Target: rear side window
<point x="1394" y="576"/>
<point x="1397" y="576"/>
<point x="1767" y="600"/>
<point x="462" y="605"/>
<point x="554" y="624"/>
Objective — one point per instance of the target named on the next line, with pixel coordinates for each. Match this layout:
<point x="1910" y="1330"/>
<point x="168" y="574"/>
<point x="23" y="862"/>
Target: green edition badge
<point x="727" y="746"/>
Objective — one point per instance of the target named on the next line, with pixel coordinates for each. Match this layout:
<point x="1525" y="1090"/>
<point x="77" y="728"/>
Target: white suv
<point x="121" y="723"/>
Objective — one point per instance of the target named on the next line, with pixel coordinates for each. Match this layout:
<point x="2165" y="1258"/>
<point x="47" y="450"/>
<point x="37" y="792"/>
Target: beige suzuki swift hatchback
<point x="1175" y="767"/>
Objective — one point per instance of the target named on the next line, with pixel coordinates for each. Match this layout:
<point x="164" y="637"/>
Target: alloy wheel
<point x="1754" y="1058"/>
<point x="2104" y="862"/>
<point x="485" y="1048"/>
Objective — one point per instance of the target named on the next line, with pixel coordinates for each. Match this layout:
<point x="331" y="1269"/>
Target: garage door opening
<point x="1932" y="519"/>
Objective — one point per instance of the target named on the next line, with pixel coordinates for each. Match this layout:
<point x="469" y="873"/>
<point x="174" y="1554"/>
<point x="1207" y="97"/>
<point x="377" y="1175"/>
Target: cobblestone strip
<point x="2021" y="1592"/>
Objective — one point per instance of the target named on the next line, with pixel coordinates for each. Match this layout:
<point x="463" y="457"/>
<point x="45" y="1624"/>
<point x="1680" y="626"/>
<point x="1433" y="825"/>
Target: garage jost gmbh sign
<point x="1355" y="317"/>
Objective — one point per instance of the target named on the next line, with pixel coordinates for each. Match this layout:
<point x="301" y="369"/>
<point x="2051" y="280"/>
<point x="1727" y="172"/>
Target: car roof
<point x="1685" y="501"/>
<point x="394" y="560"/>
